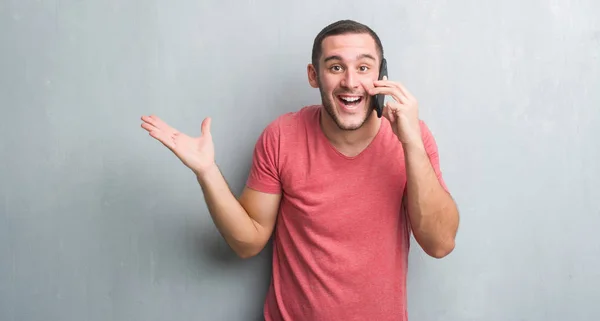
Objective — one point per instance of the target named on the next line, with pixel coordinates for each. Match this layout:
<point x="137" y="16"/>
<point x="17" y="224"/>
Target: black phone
<point x="379" y="100"/>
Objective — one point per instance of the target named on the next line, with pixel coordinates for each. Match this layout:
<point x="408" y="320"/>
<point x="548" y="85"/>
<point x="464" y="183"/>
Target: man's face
<point x="348" y="63"/>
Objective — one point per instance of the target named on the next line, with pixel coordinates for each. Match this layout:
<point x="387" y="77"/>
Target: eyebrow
<point x="361" y="56"/>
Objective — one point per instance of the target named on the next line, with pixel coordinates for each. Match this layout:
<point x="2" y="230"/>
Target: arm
<point x="432" y="211"/>
<point x="245" y="224"/>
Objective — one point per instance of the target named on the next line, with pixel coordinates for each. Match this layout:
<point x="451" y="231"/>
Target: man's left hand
<point x="402" y="112"/>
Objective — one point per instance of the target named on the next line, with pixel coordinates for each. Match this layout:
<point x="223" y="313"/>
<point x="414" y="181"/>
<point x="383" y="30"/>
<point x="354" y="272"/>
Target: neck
<point x="350" y="142"/>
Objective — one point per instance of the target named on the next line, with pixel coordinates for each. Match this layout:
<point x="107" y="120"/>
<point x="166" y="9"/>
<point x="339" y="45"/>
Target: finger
<point x="387" y="83"/>
<point x="149" y="127"/>
<point x="393" y="107"/>
<point x="164" y="138"/>
<point x="387" y="113"/>
<point x="397" y="85"/>
<point x="391" y="110"/>
<point x="206" y="126"/>
<point x="391" y="91"/>
<point x="163" y="125"/>
<point x="159" y="123"/>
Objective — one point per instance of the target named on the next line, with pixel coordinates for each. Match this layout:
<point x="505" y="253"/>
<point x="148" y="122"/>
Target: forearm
<point x="432" y="211"/>
<point x="231" y="219"/>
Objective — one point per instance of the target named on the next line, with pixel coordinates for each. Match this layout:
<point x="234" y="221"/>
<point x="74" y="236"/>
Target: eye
<point x="335" y="68"/>
<point x="364" y="68"/>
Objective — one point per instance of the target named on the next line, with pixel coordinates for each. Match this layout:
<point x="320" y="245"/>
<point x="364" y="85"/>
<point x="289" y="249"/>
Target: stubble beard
<point x="329" y="107"/>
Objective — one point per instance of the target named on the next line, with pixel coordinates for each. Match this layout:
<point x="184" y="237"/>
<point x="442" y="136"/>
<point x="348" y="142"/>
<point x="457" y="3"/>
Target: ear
<point x="312" y="76"/>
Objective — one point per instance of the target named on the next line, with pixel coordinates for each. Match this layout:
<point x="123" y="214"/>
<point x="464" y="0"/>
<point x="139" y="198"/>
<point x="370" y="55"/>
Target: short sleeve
<point x="264" y="171"/>
<point x="432" y="151"/>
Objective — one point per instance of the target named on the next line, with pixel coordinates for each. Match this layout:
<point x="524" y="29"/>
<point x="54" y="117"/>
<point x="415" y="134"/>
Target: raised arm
<point x="245" y="223"/>
<point x="433" y="214"/>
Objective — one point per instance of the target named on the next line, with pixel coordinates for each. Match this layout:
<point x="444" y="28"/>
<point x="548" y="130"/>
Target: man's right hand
<point x="247" y="223"/>
<point x="197" y="153"/>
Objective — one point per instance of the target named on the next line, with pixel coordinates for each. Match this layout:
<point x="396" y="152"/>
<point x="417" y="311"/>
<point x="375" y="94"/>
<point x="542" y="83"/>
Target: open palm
<point x="197" y="153"/>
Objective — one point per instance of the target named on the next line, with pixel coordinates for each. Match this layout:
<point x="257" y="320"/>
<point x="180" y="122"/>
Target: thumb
<point x="206" y="126"/>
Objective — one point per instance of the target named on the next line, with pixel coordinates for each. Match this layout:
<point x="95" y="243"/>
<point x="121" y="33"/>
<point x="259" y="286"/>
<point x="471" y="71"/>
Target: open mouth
<point x="350" y="100"/>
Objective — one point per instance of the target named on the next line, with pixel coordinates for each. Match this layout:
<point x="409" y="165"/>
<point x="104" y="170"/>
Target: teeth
<point x="350" y="99"/>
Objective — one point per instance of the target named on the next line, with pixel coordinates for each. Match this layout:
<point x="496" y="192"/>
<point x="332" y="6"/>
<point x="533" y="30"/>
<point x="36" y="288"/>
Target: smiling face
<point x="348" y="63"/>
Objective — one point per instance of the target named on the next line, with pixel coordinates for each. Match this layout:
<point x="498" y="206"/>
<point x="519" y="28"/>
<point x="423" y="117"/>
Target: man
<point x="341" y="188"/>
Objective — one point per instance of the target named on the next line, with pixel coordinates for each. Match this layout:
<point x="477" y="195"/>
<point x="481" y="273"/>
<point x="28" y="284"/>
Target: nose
<point x="350" y="79"/>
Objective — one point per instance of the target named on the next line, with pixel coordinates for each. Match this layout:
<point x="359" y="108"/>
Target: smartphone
<point x="379" y="100"/>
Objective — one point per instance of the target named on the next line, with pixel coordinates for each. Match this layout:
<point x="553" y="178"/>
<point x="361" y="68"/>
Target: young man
<point x="341" y="188"/>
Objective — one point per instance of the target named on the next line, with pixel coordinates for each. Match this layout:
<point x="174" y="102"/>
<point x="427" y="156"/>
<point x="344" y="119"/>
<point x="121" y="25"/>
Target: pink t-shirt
<point x="341" y="240"/>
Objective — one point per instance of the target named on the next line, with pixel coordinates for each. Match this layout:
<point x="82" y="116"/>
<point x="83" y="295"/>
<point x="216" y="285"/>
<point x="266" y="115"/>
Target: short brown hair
<point x="338" y="28"/>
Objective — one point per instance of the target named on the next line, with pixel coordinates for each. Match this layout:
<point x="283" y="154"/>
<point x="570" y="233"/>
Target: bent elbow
<point x="443" y="250"/>
<point x="246" y="254"/>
